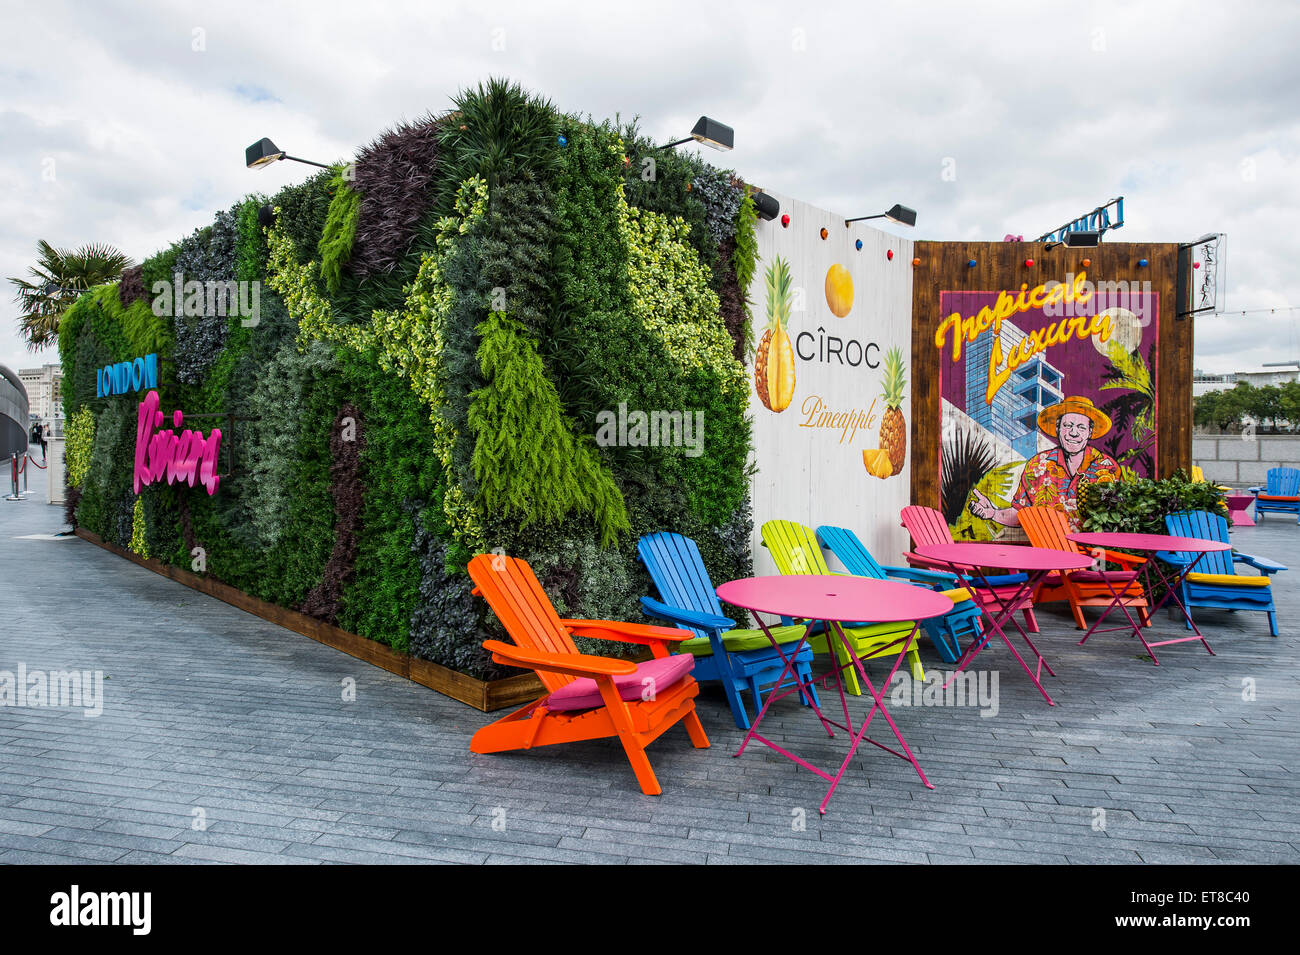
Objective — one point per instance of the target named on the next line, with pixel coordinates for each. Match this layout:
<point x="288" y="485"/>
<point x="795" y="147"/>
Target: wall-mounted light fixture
<point x="766" y="207"/>
<point x="709" y="132"/>
<point x="264" y="152"/>
<point x="1079" y="239"/>
<point x="899" y="213"/>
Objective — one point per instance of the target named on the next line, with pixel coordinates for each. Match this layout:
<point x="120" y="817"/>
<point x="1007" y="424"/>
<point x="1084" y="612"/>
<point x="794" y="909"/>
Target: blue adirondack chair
<point x="945" y="632"/>
<point x="739" y="659"/>
<point x="1281" y="494"/>
<point x="1215" y="582"/>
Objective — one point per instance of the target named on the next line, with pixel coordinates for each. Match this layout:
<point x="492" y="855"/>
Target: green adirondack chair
<point x="795" y="550"/>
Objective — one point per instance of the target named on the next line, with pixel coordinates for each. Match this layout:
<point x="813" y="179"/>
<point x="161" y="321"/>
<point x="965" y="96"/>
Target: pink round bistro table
<point x="835" y="599"/>
<point x="1151" y="544"/>
<point x="968" y="560"/>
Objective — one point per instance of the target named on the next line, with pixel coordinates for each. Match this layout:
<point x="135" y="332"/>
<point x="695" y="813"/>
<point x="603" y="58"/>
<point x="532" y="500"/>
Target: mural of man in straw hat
<point x="1052" y="478"/>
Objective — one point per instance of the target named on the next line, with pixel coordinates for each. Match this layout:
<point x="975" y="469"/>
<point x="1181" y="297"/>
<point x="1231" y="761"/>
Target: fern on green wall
<point x="335" y="246"/>
<point x="528" y="461"/>
<point x="745" y="258"/>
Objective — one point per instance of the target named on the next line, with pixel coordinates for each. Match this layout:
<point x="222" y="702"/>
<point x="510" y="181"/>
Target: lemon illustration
<point x="839" y="290"/>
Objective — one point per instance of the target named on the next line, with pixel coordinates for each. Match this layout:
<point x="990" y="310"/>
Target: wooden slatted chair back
<point x="1283" y="481"/>
<point x="515" y="595"/>
<point x="926" y="525"/>
<point x="1206" y="526"/>
<point x="1046" y="527"/>
<point x="794" y="548"/>
<point x="677" y="569"/>
<point x="851" y="552"/>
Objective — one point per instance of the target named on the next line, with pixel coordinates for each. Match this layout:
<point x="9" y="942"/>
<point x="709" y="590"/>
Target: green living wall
<point x="443" y="326"/>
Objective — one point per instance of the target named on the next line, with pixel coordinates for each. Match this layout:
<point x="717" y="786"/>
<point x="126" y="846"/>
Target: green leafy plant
<point x="1140" y="506"/>
<point x="79" y="436"/>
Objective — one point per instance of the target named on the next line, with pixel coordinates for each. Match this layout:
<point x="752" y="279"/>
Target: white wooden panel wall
<point x="816" y="475"/>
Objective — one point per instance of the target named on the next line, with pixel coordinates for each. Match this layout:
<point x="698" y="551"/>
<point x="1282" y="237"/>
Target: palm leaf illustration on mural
<point x="1133" y="413"/>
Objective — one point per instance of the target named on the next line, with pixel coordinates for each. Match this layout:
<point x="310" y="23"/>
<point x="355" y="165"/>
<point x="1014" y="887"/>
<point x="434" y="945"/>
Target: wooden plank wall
<point x="1001" y="265"/>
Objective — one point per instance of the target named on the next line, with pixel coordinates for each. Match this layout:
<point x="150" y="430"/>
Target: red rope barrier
<point x="41" y="466"/>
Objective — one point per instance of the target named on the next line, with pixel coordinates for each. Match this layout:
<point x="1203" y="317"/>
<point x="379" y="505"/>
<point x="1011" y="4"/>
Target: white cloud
<point x="1047" y="110"/>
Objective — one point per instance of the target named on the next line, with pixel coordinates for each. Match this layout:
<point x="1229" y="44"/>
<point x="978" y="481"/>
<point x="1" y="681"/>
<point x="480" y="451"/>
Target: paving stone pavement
<point x="225" y="739"/>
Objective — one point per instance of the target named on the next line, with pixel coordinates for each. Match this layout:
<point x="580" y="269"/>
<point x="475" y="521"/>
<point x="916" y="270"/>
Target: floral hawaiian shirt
<point x="1045" y="481"/>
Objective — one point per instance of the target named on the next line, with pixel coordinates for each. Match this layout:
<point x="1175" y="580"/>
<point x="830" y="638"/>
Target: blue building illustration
<point x="1013" y="415"/>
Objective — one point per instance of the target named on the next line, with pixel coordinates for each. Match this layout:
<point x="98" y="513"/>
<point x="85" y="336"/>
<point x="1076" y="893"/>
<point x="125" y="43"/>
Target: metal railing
<point x="17" y="466"/>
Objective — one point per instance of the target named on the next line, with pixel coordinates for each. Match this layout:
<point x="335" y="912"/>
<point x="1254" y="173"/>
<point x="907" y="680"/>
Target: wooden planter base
<point x="482" y="695"/>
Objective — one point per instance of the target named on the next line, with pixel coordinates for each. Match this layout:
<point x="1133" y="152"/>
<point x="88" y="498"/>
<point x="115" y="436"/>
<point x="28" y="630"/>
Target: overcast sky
<point x="125" y="122"/>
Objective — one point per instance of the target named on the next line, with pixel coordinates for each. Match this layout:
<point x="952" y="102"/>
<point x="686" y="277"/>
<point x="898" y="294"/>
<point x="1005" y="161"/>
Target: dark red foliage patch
<point x="346" y="444"/>
<point x="732" y="299"/>
<point x="71" y="498"/>
<point x="130" y="289"/>
<point x="393" y="175"/>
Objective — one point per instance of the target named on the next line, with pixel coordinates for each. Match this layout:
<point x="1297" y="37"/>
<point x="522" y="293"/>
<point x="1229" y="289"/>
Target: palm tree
<point x="60" y="276"/>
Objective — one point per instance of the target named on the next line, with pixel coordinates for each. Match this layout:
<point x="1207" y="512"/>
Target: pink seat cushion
<point x="583" y="694"/>
<point x="1100" y="577"/>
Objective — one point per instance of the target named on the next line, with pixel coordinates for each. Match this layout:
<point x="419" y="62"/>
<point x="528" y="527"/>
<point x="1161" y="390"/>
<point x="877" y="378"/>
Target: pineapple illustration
<point x="774" y="363"/>
<point x="893" y="427"/>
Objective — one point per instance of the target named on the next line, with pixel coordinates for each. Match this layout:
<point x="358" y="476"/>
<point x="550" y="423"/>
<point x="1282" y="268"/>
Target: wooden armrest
<point x="627" y="632"/>
<point x="575" y="664"/>
<point x="1117" y="557"/>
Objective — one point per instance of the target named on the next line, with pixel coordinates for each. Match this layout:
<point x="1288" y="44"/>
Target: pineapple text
<point x="818" y="415"/>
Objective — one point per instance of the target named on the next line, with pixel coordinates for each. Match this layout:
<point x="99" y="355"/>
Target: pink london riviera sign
<point x="188" y="457"/>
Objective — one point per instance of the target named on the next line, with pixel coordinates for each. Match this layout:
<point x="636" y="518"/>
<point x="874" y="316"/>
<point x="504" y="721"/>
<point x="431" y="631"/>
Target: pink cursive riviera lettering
<point x="187" y="457"/>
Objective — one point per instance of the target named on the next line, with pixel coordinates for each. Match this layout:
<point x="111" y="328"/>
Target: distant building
<point x="43" y="394"/>
<point x="1203" y="381"/>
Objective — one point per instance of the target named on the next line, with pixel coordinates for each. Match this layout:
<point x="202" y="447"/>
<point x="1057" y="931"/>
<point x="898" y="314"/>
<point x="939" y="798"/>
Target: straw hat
<point x="1048" y="417"/>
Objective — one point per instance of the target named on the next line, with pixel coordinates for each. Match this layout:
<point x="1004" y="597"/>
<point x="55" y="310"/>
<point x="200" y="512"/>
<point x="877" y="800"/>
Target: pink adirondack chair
<point x="927" y="526"/>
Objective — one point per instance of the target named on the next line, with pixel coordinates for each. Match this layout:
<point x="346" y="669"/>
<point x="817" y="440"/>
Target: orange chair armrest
<point x="627" y="632"/>
<point x="1117" y="557"/>
<point x="574" y="664"/>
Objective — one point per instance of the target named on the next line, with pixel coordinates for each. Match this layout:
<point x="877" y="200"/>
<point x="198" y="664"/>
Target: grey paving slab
<point x="210" y="709"/>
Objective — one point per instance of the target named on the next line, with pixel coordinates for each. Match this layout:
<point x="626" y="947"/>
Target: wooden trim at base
<point x="485" y="695"/>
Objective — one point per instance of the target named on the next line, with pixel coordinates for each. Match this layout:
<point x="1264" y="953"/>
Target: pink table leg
<point x="1172" y="588"/>
<point x="879" y="704"/>
<point x="774" y="695"/>
<point x="1034" y="579"/>
<point x="857" y="735"/>
<point x="1117" y="600"/>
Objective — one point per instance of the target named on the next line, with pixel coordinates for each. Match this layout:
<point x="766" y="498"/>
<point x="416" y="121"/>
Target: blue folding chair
<point x="738" y="659"/>
<point x="1215" y="582"/>
<point x="945" y="632"/>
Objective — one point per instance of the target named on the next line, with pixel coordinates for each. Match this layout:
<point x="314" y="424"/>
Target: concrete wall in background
<point x="1244" y="461"/>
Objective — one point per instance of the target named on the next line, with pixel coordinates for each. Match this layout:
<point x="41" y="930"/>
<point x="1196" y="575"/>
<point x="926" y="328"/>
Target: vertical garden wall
<point x="442" y="348"/>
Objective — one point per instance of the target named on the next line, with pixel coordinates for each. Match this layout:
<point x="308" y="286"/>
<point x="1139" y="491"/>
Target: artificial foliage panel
<point x="499" y="329"/>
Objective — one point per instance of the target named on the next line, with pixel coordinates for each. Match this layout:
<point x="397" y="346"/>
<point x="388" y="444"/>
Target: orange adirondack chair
<point x="587" y="697"/>
<point x="1047" y="527"/>
<point x="927" y="526"/>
